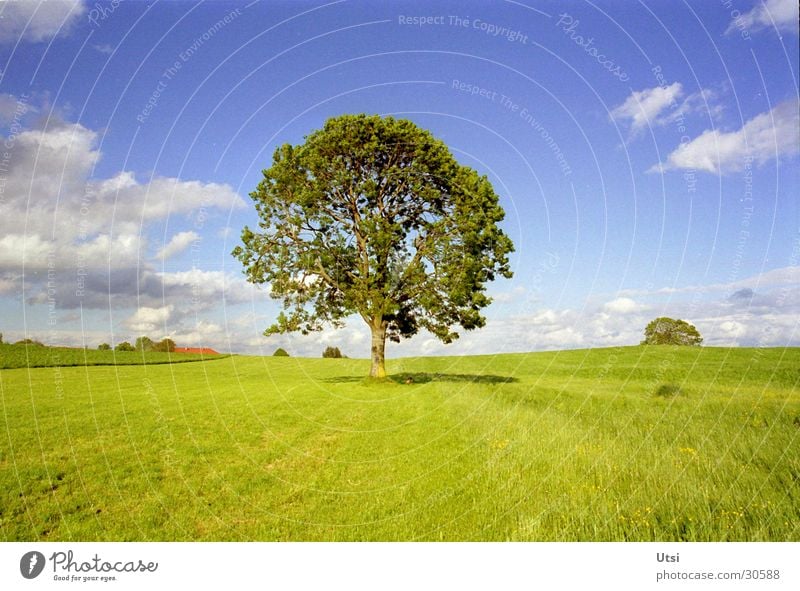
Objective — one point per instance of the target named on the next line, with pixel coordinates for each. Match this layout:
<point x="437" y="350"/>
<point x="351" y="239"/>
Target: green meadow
<point x="16" y="356"/>
<point x="634" y="443"/>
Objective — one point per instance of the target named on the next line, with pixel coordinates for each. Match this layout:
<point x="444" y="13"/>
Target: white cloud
<point x="179" y="242"/>
<point x="104" y="48"/>
<point x="703" y="101"/>
<point x="644" y="107"/>
<point x="781" y="14"/>
<point x="622" y="306"/>
<point x="732" y="329"/>
<point x="91" y="234"/>
<point x="783" y="276"/>
<point x="147" y="320"/>
<point x="507" y="297"/>
<point x="34" y="21"/>
<point x="13" y="108"/>
<point x="766" y="136"/>
<point x="203" y="333"/>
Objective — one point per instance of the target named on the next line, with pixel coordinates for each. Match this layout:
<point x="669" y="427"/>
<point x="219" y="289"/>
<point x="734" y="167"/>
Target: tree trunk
<point x="378" y="369"/>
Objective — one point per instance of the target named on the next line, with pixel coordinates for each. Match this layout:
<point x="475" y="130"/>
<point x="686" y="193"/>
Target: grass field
<point x="636" y="443"/>
<point x="16" y="356"/>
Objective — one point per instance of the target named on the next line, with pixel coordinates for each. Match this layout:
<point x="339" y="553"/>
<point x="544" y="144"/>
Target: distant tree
<point x="30" y="342"/>
<point x="1" y="338"/>
<point x="332" y="353"/>
<point x="144" y="344"/>
<point x="165" y="345"/>
<point x="280" y="352"/>
<point x="374" y="216"/>
<point x="104" y="347"/>
<point x="124" y="346"/>
<point x="668" y="331"/>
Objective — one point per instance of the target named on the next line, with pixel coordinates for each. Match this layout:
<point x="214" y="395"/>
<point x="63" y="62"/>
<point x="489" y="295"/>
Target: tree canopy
<point x="373" y="216"/>
<point x="668" y="331"/>
<point x="332" y="353"/>
<point x="144" y="343"/>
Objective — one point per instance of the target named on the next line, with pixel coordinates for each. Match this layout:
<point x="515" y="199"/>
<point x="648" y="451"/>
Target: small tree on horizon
<point x="144" y="343"/>
<point x="124" y="346"/>
<point x="104" y="347"/>
<point x="332" y="353"/>
<point x="373" y="216"/>
<point x="165" y="345"/>
<point x="280" y="352"/>
<point x="668" y="331"/>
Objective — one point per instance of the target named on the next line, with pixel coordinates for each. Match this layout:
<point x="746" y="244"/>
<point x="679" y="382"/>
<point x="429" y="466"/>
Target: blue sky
<point x="646" y="155"/>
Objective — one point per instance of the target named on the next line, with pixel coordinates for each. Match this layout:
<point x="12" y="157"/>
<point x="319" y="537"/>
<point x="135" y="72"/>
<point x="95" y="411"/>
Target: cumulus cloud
<point x="12" y="108"/>
<point x="148" y="320"/>
<point x="664" y="105"/>
<point x="177" y="244"/>
<point x="34" y="21"/>
<point x="643" y="107"/>
<point x="762" y="138"/>
<point x="89" y="236"/>
<point x="622" y="306"/>
<point x="780" y="14"/>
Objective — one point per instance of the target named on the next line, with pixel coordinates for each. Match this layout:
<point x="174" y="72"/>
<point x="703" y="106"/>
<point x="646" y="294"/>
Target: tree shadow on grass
<point x="407" y="378"/>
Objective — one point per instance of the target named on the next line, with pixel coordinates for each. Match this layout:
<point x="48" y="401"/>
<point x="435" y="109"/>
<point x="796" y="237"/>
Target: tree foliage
<point x="280" y="352"/>
<point x="373" y="216"/>
<point x="124" y="346"/>
<point x="144" y="344"/>
<point x="332" y="353"/>
<point x="668" y="331"/>
<point x="104" y="347"/>
<point x="165" y="345"/>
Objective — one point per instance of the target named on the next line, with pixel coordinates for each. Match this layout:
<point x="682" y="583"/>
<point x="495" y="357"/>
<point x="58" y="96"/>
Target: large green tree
<point x="373" y="216"/>
<point x="668" y="331"/>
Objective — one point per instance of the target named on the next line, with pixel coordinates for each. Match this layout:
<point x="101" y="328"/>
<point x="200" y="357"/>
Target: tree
<point x="668" y="331"/>
<point x="280" y="352"/>
<point x="1" y="338"/>
<point x="104" y="347"/>
<point x="124" y="346"/>
<point x="165" y="345"/>
<point x="373" y="216"/>
<point x="332" y="353"/>
<point x="144" y="344"/>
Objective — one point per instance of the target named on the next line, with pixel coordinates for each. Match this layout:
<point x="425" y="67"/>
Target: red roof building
<point x="196" y="350"/>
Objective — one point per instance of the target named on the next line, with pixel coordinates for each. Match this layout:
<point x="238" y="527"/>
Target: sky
<point x="645" y="153"/>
